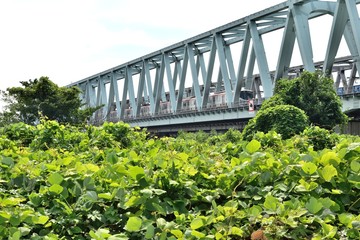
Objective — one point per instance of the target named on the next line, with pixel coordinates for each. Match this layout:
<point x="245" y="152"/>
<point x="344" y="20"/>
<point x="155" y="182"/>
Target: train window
<point x="246" y="94"/>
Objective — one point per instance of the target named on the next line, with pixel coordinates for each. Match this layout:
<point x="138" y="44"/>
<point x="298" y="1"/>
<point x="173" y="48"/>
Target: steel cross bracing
<point x="200" y="73"/>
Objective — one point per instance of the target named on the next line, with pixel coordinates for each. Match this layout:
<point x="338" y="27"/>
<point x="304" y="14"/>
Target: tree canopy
<point x="310" y="98"/>
<point x="315" y="94"/>
<point x="42" y="97"/>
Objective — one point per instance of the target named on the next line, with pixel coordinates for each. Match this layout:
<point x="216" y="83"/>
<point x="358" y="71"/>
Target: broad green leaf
<point x="100" y="234"/>
<point x="353" y="151"/>
<point x="55" y="178"/>
<point x="177" y="233"/>
<point x="253" y="146"/>
<point x="160" y="222"/>
<point x="93" y="235"/>
<point x="313" y="205"/>
<point x="237" y="231"/>
<point x="328" y="172"/>
<point x="67" y="209"/>
<point x="107" y="196"/>
<point x="158" y="191"/>
<point x="53" y="167"/>
<point x="15" y="236"/>
<point x="133" y="224"/>
<point x="75" y="230"/>
<point x="197" y="223"/>
<point x="218" y="236"/>
<point x="330" y="158"/>
<point x="11" y="201"/>
<point x="89" y="183"/>
<point x="5" y="215"/>
<point x="7" y="161"/>
<point x="133" y="200"/>
<point x="24" y="231"/>
<point x="329" y="230"/>
<point x="120" y="236"/>
<point x="111" y="157"/>
<point x="255" y="211"/>
<point x="355" y="166"/>
<point x="346" y="219"/>
<point x="136" y="172"/>
<point x="271" y="203"/>
<point x="150" y="232"/>
<point x="56" y="188"/>
<point x="146" y="192"/>
<point x="354" y="178"/>
<point x="183" y="156"/>
<point x="197" y="234"/>
<point x="235" y="162"/>
<point x="40" y="219"/>
<point x="305" y="186"/>
<point x="336" y="191"/>
<point x="15" y="220"/>
<point x="91" y="195"/>
<point x="309" y="168"/>
<point x="133" y="156"/>
<point x="67" y="160"/>
<point x="91" y="167"/>
<point x="191" y="170"/>
<point x="35" y="199"/>
<point x="327" y="202"/>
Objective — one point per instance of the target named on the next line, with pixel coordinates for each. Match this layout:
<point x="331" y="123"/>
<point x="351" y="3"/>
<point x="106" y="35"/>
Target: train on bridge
<point x="341" y="91"/>
<point x="217" y="100"/>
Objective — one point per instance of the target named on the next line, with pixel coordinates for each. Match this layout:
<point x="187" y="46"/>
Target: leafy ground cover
<point x="114" y="182"/>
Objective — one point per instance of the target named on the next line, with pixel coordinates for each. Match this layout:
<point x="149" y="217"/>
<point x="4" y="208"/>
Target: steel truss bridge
<point x="211" y="78"/>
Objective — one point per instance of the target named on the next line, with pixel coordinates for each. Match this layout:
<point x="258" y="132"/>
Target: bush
<point x="286" y="120"/>
<point x="320" y="138"/>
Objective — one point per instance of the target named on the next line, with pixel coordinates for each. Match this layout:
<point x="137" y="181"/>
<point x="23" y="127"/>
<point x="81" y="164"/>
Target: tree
<point x="314" y="93"/>
<point x="310" y="98"/>
<point x="42" y="97"/>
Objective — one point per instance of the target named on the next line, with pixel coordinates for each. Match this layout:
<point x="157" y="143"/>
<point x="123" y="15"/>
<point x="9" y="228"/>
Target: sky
<point x="69" y="40"/>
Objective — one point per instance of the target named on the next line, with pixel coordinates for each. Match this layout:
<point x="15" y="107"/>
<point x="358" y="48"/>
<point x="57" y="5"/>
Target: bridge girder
<point x="188" y="69"/>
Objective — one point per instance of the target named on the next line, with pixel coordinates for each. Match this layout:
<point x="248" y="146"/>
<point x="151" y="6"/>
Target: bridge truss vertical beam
<point x="242" y="65"/>
<point x="224" y="67"/>
<point x="101" y="95"/>
<point x="286" y="48"/>
<point x="302" y="29"/>
<point x="113" y="96"/>
<point x="261" y="60"/>
<point x="90" y="95"/>
<point x="209" y="73"/>
<point x="182" y="79"/>
<point x="194" y="75"/>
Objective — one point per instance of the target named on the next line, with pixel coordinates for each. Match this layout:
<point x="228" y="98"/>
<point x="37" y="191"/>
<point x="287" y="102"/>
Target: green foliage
<point x="270" y="140"/>
<point x="320" y="138"/>
<point x="274" y="101"/>
<point x="42" y="97"/>
<point x="314" y="93"/>
<point x="20" y="132"/>
<point x="286" y="120"/>
<point x="83" y="183"/>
